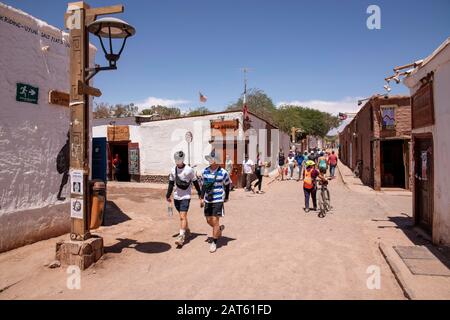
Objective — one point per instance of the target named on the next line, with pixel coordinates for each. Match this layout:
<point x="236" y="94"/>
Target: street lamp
<point x="110" y="28"/>
<point x="81" y="20"/>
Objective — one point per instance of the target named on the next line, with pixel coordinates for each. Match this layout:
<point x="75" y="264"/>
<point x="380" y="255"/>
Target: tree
<point x="311" y="121"/>
<point x="163" y="111"/>
<point x="102" y="110"/>
<point x="198" y="111"/>
<point x="124" y="110"/>
<point x="258" y="102"/>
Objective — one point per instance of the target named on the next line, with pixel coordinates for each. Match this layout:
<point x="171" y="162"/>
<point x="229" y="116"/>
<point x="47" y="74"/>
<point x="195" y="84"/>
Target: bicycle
<point x="324" y="200"/>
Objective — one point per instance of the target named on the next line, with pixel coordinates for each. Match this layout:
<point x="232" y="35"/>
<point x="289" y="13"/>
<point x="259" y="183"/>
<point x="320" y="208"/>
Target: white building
<point x="152" y="144"/>
<point x="429" y="84"/>
<point x="34" y="59"/>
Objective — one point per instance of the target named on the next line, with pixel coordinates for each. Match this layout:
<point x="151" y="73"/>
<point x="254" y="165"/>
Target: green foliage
<point x="311" y="121"/>
<point x="258" y="103"/>
<point x="106" y="110"/>
<point x="163" y="111"/>
<point x="198" y="111"/>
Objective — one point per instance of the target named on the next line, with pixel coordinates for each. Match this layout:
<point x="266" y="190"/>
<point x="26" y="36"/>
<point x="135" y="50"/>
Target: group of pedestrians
<point x="213" y="193"/>
<point x="296" y="161"/>
<point x="252" y="170"/>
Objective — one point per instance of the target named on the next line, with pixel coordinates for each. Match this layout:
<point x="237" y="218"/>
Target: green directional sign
<point x="27" y="93"/>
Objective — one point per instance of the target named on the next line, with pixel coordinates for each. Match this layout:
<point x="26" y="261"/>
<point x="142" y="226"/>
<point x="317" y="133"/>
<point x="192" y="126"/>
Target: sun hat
<point x="179" y="156"/>
<point x="310" y="163"/>
<point x="213" y="156"/>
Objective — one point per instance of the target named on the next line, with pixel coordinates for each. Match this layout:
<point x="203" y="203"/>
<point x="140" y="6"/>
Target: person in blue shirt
<point x="215" y="192"/>
<point x="299" y="160"/>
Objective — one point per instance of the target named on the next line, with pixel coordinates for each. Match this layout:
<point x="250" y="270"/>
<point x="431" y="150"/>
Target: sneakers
<point x="180" y="240"/>
<point x="212" y="247"/>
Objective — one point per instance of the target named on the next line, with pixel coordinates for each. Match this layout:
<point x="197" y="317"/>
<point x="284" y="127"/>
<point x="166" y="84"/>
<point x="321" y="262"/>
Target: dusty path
<point x="271" y="250"/>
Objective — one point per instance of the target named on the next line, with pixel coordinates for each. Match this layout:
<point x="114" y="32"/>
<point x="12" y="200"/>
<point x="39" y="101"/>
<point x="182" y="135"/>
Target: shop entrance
<point x="392" y="164"/>
<point x="423" y="181"/>
<point x="120" y="149"/>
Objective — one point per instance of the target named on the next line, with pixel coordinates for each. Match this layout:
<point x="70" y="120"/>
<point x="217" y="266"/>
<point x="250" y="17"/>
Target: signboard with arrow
<point x="27" y="93"/>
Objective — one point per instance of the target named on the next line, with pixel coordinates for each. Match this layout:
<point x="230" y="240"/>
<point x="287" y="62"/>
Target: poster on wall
<point x="76" y="208"/>
<point x="76" y="182"/>
<point x="133" y="158"/>
<point x="424" y="157"/>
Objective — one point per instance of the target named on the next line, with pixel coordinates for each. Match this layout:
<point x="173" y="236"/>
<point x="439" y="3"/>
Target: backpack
<point x="183" y="185"/>
<point x="209" y="186"/>
<point x="323" y="164"/>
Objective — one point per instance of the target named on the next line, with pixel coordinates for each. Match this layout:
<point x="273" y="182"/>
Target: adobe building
<point x="429" y="85"/>
<point x="34" y="124"/>
<point x="378" y="140"/>
<point x="146" y="148"/>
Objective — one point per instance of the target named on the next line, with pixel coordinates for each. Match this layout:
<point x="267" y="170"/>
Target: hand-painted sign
<point x="133" y="158"/>
<point x="118" y="133"/>
<point x="59" y="98"/>
<point x="27" y="93"/>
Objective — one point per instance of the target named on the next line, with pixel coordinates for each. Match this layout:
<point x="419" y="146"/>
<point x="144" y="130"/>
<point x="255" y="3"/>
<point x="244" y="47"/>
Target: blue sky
<point x="318" y="53"/>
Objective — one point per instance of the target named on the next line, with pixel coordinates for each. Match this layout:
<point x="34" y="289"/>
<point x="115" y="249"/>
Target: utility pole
<point x="80" y="19"/>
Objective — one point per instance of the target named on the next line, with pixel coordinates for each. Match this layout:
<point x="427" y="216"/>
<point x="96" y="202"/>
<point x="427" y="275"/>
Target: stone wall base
<point x="28" y="226"/>
<point x="79" y="253"/>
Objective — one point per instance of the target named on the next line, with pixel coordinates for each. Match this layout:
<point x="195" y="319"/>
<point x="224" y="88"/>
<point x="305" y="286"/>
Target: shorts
<point x="214" y="209"/>
<point x="182" y="205"/>
<point x="323" y="170"/>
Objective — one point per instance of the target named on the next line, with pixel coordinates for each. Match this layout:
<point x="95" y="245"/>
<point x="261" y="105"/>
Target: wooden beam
<point x="85" y="89"/>
<point x="105" y="10"/>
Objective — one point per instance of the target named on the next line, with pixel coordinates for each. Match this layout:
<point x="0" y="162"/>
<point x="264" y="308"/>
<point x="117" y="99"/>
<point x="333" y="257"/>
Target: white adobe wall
<point x="31" y="135"/>
<point x="159" y="140"/>
<point x="441" y="139"/>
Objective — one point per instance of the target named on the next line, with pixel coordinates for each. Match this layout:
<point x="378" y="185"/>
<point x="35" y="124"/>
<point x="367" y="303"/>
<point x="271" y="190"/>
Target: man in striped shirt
<point x="215" y="191"/>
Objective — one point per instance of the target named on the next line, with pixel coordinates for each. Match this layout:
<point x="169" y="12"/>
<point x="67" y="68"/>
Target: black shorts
<point x="214" y="209"/>
<point x="182" y="205"/>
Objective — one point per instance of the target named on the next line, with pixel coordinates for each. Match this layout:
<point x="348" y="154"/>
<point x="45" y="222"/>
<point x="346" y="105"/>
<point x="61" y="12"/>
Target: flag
<point x="342" y="116"/>
<point x="245" y="108"/>
<point x="203" y="98"/>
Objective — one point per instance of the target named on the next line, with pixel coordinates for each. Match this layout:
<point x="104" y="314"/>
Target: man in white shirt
<point x="182" y="176"/>
<point x="248" y="167"/>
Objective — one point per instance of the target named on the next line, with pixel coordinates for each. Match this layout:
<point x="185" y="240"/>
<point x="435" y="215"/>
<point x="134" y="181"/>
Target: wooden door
<point x="423" y="179"/>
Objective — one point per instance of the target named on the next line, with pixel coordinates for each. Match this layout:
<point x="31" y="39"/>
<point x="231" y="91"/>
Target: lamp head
<point x="111" y="28"/>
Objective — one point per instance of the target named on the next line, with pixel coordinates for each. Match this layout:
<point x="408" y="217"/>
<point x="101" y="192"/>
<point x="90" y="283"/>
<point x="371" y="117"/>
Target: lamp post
<point x="80" y="19"/>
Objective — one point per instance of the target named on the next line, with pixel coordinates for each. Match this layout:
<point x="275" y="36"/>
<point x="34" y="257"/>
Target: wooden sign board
<point x="118" y="133"/>
<point x="226" y="124"/>
<point x="59" y="98"/>
<point x="422" y="107"/>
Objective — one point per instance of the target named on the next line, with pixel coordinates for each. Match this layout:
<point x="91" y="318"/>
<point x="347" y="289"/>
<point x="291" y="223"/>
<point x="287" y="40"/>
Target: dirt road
<point x="271" y="249"/>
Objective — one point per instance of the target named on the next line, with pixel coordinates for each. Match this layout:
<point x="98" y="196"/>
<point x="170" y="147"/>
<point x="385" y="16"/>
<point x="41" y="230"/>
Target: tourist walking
<point x="259" y="167"/>
<point x="281" y="162"/>
<point x="182" y="177"/>
<point x="215" y="192"/>
<point x="248" y="168"/>
<point x="332" y="162"/>
<point x="229" y="167"/>
<point x="291" y="165"/>
<point x="309" y="184"/>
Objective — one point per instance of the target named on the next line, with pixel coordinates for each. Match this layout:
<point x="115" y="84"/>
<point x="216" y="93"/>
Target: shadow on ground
<point x="114" y="215"/>
<point x="144" y="247"/>
<point x="406" y="224"/>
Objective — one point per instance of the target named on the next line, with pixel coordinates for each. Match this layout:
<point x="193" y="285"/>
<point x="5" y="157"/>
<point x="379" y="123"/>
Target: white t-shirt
<point x="186" y="174"/>
<point x="291" y="160"/>
<point x="248" y="166"/>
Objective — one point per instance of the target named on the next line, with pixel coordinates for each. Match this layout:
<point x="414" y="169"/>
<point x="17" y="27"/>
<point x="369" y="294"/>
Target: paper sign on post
<point x="76" y="182"/>
<point x="76" y="208"/>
